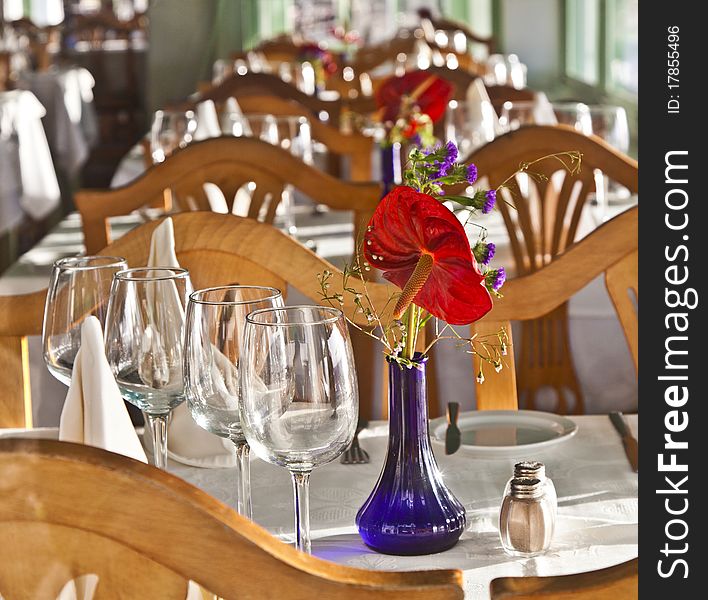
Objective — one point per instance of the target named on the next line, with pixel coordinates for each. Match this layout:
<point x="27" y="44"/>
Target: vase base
<point x="420" y="549"/>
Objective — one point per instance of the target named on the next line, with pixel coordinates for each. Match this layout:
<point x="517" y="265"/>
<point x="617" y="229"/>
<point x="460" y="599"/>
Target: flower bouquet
<point x="408" y="108"/>
<point x="417" y="239"/>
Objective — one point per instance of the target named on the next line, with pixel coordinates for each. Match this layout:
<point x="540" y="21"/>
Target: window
<point x="582" y="40"/>
<point x="623" y="16"/>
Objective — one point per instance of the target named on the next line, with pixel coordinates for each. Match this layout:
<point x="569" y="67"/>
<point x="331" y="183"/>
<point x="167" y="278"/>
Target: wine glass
<point x="170" y="130"/>
<point x="575" y="114"/>
<point x="611" y="124"/>
<point x="78" y="288"/>
<point x="516" y="114"/>
<point x="299" y="395"/>
<point x="213" y="342"/>
<point x="144" y="326"/>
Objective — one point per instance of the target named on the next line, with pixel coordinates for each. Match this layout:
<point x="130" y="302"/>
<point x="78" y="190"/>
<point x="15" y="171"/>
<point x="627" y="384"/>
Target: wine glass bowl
<point x="79" y="287"/>
<point x="143" y="336"/>
<point x="171" y="130"/>
<point x="300" y="401"/>
<point x="213" y="350"/>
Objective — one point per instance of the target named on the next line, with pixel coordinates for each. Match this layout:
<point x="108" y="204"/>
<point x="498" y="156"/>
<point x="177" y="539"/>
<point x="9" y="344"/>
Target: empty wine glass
<point x="79" y="287"/>
<point x="170" y="130"/>
<point x="299" y="394"/>
<point x="144" y="326"/>
<point x="516" y="114"/>
<point x="611" y="124"/>
<point x="575" y="114"/>
<point x="213" y="350"/>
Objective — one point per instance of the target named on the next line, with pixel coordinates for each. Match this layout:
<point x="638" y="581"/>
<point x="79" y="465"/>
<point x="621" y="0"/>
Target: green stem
<point x="412" y="332"/>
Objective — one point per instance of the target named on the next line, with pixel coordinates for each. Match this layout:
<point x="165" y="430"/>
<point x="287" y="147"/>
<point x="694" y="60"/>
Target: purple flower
<point x="471" y="173"/>
<point x="451" y="149"/>
<point x="490" y="201"/>
<point x="416" y="139"/>
<point x="484" y="252"/>
<point x="495" y="278"/>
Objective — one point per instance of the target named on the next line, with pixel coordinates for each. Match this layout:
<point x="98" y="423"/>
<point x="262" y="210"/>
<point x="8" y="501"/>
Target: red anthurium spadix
<point x="428" y="92"/>
<point x="422" y="248"/>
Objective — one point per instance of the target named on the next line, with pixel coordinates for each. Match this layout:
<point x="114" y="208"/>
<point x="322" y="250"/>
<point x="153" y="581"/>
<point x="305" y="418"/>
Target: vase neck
<point x="408" y="403"/>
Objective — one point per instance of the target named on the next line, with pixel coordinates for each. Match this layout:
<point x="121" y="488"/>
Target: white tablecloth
<point x="70" y="122"/>
<point x="597" y="515"/>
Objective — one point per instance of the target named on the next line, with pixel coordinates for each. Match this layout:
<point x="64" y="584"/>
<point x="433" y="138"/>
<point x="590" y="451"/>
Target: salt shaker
<point x="527" y="517"/>
<point x="532" y="469"/>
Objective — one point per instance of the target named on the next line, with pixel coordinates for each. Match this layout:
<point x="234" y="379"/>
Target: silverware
<point x="355" y="454"/>
<point x="453" y="437"/>
<point x="630" y="443"/>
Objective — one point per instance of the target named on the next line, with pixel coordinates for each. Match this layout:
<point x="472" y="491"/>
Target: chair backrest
<point x="613" y="583"/>
<point x="610" y="249"/>
<point x="228" y="162"/>
<point x="217" y="249"/>
<point x="70" y="510"/>
<point x="266" y="84"/>
<point x="543" y="213"/>
<point x="499" y="94"/>
<point x="358" y="148"/>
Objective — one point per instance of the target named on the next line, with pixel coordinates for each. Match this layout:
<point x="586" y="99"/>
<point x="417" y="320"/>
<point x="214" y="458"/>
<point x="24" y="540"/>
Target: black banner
<point x="673" y="265"/>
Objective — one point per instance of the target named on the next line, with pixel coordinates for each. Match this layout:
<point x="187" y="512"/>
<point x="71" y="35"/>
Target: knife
<point x="453" y="437"/>
<point x="631" y="446"/>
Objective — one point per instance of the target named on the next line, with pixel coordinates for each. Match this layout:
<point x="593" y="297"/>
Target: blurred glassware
<point x="292" y="133"/>
<point x="575" y="114"/>
<point x="78" y="287"/>
<point x="506" y="69"/>
<point x="213" y="350"/>
<point x="170" y="130"/>
<point x="300" y="402"/>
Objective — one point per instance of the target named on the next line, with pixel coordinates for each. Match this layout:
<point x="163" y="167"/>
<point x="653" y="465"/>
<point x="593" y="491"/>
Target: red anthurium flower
<point x="422" y="248"/>
<point x="427" y="91"/>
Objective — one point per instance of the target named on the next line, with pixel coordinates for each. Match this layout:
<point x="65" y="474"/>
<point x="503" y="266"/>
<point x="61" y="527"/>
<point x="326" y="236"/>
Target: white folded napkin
<point x="94" y="412"/>
<point x="187" y="442"/>
<point x="480" y="112"/>
<point x="207" y="121"/>
<point x="232" y="114"/>
<point x="40" y="189"/>
<point x="543" y="113"/>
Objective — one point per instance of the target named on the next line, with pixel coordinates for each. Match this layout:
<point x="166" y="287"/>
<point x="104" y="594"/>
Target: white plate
<point x="507" y="431"/>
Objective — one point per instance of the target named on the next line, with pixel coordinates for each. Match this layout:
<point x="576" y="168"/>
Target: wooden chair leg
<point x="15" y="399"/>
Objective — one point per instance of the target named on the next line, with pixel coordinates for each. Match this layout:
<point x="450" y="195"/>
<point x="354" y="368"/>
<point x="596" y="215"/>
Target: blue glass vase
<point x="390" y="167"/>
<point x="410" y="511"/>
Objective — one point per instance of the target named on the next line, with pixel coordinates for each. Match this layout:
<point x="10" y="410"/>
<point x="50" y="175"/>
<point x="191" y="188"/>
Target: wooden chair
<point x="614" y="583"/>
<point x="217" y="249"/>
<point x="450" y="26"/>
<point x="357" y="148"/>
<point x="229" y="162"/>
<point x="266" y="84"/>
<point x="611" y="249"/>
<point x="70" y="510"/>
<point x="542" y="225"/>
<point x="500" y="94"/>
<point x="5" y="74"/>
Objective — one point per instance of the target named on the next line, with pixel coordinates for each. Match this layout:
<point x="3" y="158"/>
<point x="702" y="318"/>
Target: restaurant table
<point x="596" y="525"/>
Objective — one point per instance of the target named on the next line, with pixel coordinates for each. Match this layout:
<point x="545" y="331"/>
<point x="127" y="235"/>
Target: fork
<point x="355" y="454"/>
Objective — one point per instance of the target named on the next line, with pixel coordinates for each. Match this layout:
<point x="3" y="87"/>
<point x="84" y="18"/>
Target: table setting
<point x="236" y="387"/>
<point x="389" y="414"/>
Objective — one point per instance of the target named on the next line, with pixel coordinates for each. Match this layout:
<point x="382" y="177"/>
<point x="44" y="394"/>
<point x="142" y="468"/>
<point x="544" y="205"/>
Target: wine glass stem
<point x="301" y="488"/>
<point x="158" y="427"/>
<point x="243" y="473"/>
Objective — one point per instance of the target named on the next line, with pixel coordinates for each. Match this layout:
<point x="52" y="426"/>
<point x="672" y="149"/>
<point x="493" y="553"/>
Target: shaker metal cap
<point x="526" y="487"/>
<point x="529" y="469"/>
